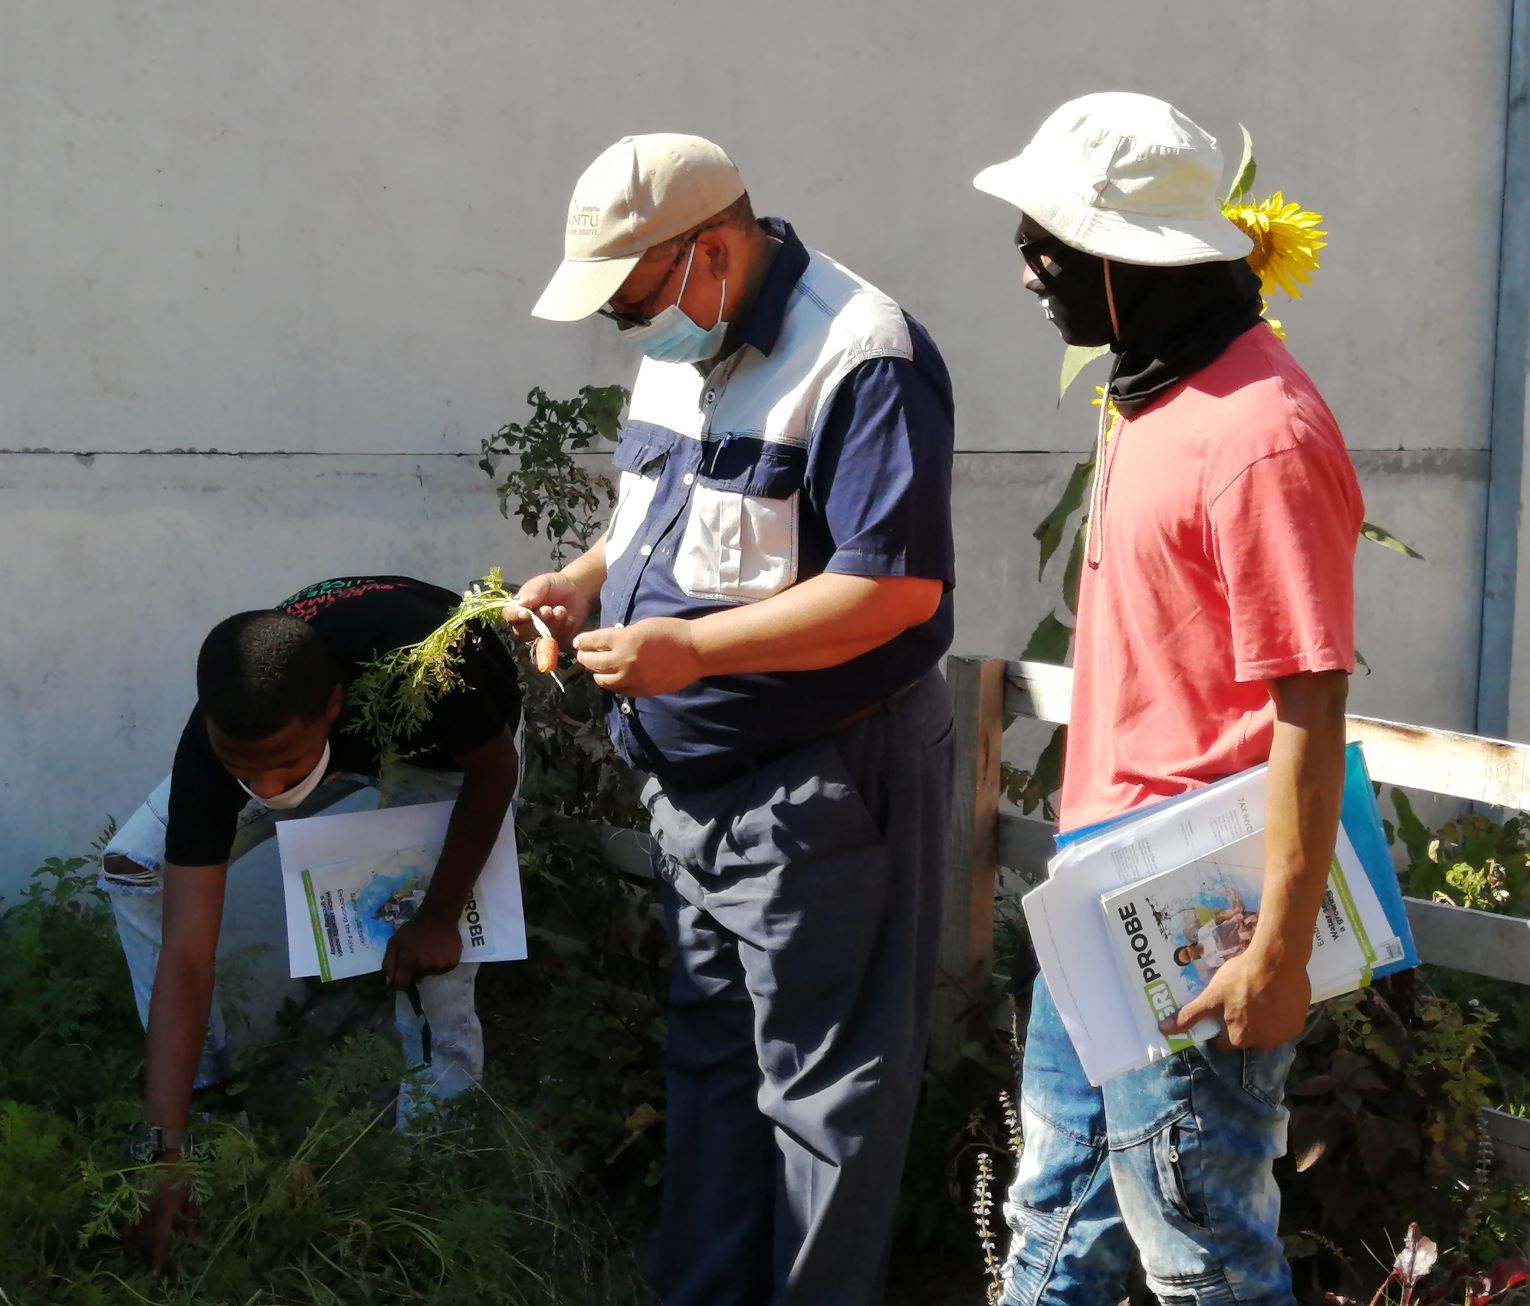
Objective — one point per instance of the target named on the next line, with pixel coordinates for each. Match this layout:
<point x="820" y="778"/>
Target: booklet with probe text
<point x="1137" y="914"/>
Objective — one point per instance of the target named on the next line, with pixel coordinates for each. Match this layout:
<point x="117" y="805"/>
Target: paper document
<point x="1361" y="931"/>
<point x="350" y="880"/>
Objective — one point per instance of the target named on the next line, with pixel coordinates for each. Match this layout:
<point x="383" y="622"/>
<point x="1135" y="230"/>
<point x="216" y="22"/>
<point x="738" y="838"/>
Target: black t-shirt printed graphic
<point x="359" y="618"/>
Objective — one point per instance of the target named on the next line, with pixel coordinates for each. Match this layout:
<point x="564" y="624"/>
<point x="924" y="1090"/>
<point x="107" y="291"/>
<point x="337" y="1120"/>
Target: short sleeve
<point x="205" y="802"/>
<point x="1283" y="537"/>
<point x="879" y="473"/>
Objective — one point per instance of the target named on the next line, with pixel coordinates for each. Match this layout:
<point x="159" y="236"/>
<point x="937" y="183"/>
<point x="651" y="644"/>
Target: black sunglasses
<point x="641" y="319"/>
<point x="1031" y="248"/>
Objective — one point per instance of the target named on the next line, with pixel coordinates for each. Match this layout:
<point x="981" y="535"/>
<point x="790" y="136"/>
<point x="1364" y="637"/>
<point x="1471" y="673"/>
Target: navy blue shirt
<point x="873" y="492"/>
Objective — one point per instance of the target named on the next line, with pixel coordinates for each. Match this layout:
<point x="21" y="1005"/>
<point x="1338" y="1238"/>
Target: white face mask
<point x="672" y="337"/>
<point x="290" y="798"/>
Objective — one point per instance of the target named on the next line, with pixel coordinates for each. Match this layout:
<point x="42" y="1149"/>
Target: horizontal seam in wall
<point x="238" y="453"/>
<point x="466" y="453"/>
<point x="1084" y="453"/>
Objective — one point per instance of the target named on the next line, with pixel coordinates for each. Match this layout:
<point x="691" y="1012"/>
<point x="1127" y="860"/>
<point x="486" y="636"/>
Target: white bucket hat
<point x="1126" y="177"/>
<point x="639" y="193"/>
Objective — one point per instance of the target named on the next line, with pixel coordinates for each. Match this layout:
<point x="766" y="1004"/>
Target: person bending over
<point x="267" y="740"/>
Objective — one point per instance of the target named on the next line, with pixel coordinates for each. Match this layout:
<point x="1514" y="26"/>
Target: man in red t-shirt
<point x="1215" y="632"/>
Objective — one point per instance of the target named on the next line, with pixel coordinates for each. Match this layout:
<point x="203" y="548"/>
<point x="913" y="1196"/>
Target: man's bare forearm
<point x="1304" y="795"/>
<point x="588" y="570"/>
<point x="488" y="784"/>
<point x="183" y="990"/>
<point x="178" y="1012"/>
<point x="823" y="622"/>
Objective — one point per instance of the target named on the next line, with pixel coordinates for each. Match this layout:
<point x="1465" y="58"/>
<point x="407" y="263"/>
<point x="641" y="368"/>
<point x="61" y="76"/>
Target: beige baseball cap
<point x="642" y="191"/>
<point x="1123" y="176"/>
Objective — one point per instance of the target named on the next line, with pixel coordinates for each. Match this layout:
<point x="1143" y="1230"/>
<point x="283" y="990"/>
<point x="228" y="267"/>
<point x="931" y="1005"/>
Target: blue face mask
<point x="671" y="336"/>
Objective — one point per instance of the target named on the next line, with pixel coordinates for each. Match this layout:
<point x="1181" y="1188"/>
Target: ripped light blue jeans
<point x="1175" y="1158"/>
<point x="456" y="1037"/>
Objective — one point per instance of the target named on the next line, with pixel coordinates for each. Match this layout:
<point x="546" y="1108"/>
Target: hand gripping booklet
<point x="1108" y="1008"/>
<point x="1173" y="931"/>
<point x="351" y="879"/>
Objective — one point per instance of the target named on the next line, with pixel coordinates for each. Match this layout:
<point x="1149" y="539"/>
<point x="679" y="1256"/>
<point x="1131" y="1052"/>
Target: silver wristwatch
<point x="150" y="1142"/>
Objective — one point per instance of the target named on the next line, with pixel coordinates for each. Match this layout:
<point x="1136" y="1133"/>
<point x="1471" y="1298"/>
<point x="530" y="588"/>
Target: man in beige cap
<point x="775" y="591"/>
<point x="1215" y="633"/>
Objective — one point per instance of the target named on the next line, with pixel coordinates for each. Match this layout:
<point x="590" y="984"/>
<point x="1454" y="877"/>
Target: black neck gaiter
<point x="1174" y="321"/>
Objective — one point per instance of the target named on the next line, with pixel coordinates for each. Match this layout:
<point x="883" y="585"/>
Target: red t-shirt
<point x="1230" y="518"/>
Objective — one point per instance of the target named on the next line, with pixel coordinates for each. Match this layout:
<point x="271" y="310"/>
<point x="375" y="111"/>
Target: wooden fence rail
<point x="989" y="692"/>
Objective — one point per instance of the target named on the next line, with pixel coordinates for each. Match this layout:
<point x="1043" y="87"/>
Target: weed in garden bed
<point x="1413" y="1276"/>
<point x="1475" y="861"/>
<point x="1388" y="1088"/>
<point x="325" y="1204"/>
<point x="69" y="1036"/>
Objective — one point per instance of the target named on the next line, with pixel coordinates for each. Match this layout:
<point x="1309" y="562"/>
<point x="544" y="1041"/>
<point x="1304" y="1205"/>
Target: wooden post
<point x="967" y="889"/>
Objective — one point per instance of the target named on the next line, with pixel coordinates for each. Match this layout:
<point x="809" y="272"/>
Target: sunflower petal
<point x="1286" y="239"/>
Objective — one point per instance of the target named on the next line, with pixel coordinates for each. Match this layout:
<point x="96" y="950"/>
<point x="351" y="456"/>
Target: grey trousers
<point x="802" y="900"/>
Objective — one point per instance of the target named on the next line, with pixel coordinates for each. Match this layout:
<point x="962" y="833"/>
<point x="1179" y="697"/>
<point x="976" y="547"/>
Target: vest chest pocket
<point x="639" y="460"/>
<point x="740" y="542"/>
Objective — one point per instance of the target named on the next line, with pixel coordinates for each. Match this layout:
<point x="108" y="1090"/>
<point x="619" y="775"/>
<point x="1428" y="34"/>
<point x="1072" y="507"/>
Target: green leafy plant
<point x="595" y="992"/>
<point x="1471" y="861"/>
<point x="391" y="699"/>
<point x="66" y="1007"/>
<point x="548" y="490"/>
<point x="587" y="1015"/>
<point x="572" y="771"/>
<point x="954" y="1126"/>
<point x="1389" y="1086"/>
<point x="1478" y="862"/>
<point x="350" y="1212"/>
<point x="1385" y="1098"/>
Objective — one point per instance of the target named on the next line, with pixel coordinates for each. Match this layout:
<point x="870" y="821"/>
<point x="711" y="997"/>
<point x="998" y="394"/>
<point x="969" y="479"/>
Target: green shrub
<point x="71" y="1040"/>
<point x="1389" y="1086"/>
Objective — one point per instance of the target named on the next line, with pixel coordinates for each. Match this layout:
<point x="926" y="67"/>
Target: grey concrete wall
<point x="267" y="270"/>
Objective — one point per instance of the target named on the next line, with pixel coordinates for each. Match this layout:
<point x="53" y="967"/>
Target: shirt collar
<point x="762" y="328"/>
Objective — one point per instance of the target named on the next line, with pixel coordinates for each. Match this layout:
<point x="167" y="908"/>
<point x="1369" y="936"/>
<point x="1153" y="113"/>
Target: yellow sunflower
<point x="1275" y="324"/>
<point x="1112" y="416"/>
<point x="1286" y="241"/>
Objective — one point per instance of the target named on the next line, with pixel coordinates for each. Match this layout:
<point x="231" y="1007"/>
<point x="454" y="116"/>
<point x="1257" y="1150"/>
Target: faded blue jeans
<point x="1175" y="1158"/>
<point x="456" y="1060"/>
